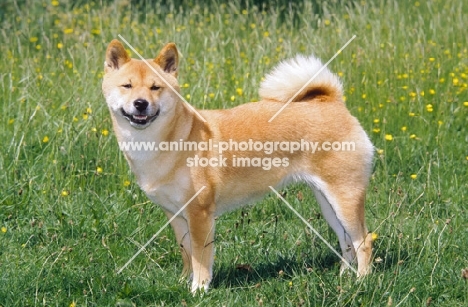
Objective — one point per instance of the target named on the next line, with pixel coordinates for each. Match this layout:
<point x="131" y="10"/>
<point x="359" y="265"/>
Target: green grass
<point x="71" y="213"/>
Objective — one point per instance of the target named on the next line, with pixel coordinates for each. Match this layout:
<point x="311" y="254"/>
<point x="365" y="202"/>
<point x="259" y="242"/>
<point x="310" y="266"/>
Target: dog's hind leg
<point x="346" y="245"/>
<point x="343" y="208"/>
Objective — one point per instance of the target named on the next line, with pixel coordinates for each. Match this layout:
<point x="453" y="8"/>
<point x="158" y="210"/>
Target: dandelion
<point x="239" y="91"/>
<point x="440" y="123"/>
<point x="233" y="98"/>
<point x="55" y="3"/>
<point x="85" y="116"/>
<point x="99" y="170"/>
<point x="380" y="151"/>
<point x="376" y="121"/>
<point x="411" y="114"/>
<point x="211" y="95"/>
<point x="429" y="108"/>
<point x="412" y="94"/>
<point x="412" y="136"/>
<point x="45" y="139"/>
<point x="413" y="176"/>
<point x="290" y="284"/>
<point x="4" y="229"/>
<point x="188" y="96"/>
<point x="388" y="137"/>
<point x="33" y="39"/>
<point x="403" y="128"/>
<point x="65" y="193"/>
<point x="105" y="132"/>
<point x="68" y="31"/>
<point x="11" y="121"/>
<point x="431" y="59"/>
<point x="327" y="22"/>
<point x="126" y="183"/>
<point x="432" y="91"/>
<point x="376" y="130"/>
<point x="465" y="103"/>
<point x="266" y="34"/>
<point x="72" y="304"/>
<point x="59" y="45"/>
<point x="374" y="236"/>
<point x="364" y="96"/>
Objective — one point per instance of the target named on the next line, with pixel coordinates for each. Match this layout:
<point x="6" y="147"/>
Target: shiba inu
<point x="243" y="151"/>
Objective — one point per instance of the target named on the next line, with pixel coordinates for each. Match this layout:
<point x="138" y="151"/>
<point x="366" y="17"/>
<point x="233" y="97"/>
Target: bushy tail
<point x="300" y="78"/>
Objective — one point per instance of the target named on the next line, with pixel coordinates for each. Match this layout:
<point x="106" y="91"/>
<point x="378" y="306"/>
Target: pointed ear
<point x="116" y="56"/>
<point x="168" y="59"/>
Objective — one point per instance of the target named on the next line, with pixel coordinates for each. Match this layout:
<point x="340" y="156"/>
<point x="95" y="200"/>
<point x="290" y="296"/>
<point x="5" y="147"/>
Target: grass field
<point x="71" y="213"/>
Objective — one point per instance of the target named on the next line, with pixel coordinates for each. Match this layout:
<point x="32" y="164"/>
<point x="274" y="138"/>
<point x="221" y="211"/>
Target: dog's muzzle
<point x="140" y="120"/>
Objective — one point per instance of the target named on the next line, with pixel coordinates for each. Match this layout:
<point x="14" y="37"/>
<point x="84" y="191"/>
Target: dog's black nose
<point x="140" y="104"/>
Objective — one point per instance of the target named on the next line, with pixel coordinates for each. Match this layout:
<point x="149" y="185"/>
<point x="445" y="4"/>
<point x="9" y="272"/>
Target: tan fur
<point x="339" y="179"/>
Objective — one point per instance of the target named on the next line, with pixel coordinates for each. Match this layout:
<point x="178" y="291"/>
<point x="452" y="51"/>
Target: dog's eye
<point x="154" y="88"/>
<point x="128" y="85"/>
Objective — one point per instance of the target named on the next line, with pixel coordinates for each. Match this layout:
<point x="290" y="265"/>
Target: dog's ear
<point x="168" y="59"/>
<point x="116" y="56"/>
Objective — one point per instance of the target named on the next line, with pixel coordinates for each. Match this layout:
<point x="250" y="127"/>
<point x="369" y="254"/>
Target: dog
<point x="230" y="169"/>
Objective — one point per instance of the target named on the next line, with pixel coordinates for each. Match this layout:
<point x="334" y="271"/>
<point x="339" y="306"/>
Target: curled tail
<point x="300" y="79"/>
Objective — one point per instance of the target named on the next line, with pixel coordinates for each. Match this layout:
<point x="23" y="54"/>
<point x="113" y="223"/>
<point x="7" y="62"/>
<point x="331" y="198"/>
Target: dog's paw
<point x="200" y="288"/>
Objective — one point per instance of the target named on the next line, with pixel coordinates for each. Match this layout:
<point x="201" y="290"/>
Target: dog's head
<point x="140" y="91"/>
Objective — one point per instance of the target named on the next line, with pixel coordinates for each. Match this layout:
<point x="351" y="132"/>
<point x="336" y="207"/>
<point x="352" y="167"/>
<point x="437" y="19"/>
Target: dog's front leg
<point x="180" y="227"/>
<point x="201" y="225"/>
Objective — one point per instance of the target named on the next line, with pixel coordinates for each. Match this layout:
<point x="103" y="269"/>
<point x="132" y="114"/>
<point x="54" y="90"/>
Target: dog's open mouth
<point x="139" y="121"/>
